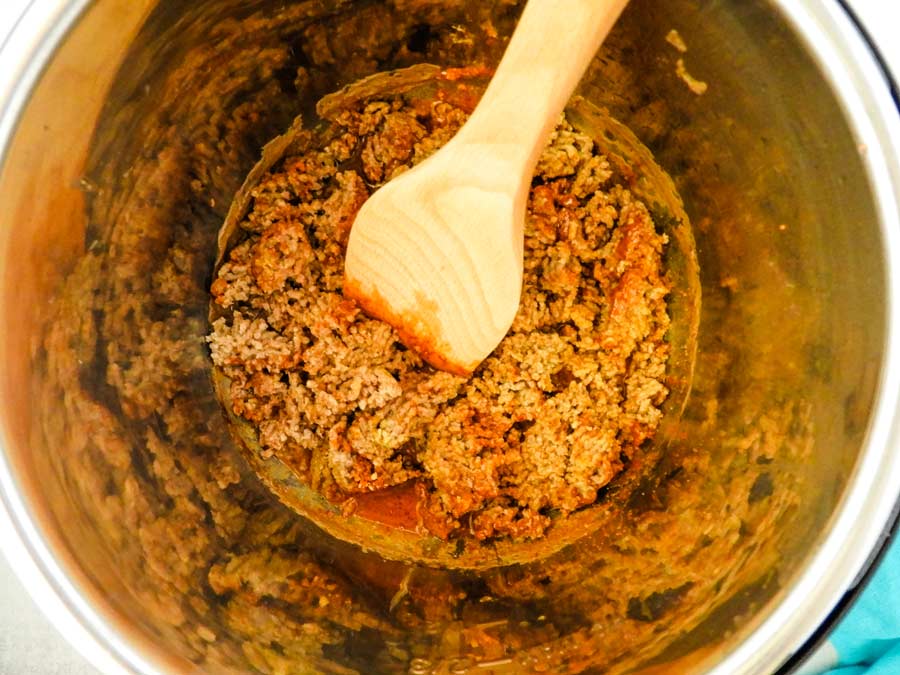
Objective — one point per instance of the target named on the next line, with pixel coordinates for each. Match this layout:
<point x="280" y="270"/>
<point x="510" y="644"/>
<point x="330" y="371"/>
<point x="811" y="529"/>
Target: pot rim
<point x="27" y="49"/>
<point x="870" y="507"/>
<point x="833" y="574"/>
<point x="847" y="601"/>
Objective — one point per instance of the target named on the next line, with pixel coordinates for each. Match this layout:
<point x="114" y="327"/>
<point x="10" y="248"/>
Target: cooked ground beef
<point x="548" y="419"/>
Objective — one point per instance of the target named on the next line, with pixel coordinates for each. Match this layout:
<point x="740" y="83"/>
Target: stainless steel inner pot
<point x="770" y="497"/>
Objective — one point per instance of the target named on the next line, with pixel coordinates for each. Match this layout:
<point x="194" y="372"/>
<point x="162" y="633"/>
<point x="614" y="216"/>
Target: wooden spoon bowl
<point x="386" y="521"/>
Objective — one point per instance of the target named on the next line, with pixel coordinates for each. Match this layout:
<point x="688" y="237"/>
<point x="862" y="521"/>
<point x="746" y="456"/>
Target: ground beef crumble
<point x="548" y="419"/>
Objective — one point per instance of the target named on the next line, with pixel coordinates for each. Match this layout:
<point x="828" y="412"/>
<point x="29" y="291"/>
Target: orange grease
<point x="464" y="96"/>
<point x="396" y="506"/>
<point x="467" y="72"/>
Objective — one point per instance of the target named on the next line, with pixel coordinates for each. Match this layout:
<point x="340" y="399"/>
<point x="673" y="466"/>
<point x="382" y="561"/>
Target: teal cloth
<point x="867" y="640"/>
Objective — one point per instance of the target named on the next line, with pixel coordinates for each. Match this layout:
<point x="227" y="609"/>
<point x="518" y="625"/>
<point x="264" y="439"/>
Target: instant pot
<point x="127" y="125"/>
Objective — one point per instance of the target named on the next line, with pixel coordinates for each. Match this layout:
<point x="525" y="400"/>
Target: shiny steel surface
<point x="844" y="262"/>
<point x="23" y="56"/>
<point x="874" y="488"/>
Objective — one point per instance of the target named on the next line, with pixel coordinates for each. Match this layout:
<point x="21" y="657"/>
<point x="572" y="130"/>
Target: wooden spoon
<point x="437" y="252"/>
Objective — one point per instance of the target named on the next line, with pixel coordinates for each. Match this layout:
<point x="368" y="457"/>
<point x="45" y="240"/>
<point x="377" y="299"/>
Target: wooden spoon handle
<point x="551" y="48"/>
